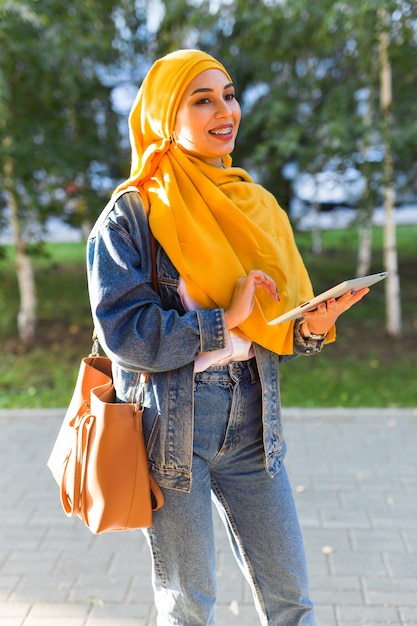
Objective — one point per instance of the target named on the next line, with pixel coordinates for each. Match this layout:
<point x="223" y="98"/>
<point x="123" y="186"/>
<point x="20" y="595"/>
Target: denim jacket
<point x="144" y="331"/>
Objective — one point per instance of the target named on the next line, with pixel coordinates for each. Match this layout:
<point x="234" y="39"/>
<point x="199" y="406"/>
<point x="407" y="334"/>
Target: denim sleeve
<point x="306" y="345"/>
<point x="135" y="330"/>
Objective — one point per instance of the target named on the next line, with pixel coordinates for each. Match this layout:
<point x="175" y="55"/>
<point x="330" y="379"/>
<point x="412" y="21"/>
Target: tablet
<point x="334" y="292"/>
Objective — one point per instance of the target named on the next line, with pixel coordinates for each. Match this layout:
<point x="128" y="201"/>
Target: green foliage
<point x="307" y="76"/>
<point x="57" y="121"/>
<point x="299" y="68"/>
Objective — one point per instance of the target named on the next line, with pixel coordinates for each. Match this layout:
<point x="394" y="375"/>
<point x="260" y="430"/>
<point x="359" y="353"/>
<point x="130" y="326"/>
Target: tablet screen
<point x="333" y="292"/>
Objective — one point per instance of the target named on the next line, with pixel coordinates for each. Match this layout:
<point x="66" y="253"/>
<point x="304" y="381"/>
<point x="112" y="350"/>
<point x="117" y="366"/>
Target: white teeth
<point x="221" y="131"/>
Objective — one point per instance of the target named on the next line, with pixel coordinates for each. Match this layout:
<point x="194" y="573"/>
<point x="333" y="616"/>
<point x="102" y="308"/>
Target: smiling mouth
<point x="227" y="130"/>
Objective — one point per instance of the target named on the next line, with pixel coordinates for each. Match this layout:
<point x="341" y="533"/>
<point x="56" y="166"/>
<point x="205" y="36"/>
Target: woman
<point x="226" y="264"/>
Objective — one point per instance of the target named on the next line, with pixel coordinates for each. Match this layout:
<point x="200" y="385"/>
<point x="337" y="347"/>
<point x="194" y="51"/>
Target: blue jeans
<point x="257" y="510"/>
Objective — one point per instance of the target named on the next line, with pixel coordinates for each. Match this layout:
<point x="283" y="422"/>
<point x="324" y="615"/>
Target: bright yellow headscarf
<point x="215" y="225"/>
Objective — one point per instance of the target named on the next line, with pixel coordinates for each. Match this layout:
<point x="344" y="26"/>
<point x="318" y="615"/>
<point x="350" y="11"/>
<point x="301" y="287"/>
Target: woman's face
<point x="208" y="117"/>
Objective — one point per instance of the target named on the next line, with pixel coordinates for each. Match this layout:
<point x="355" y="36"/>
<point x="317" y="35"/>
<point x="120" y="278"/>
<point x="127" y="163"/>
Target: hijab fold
<point x="214" y="224"/>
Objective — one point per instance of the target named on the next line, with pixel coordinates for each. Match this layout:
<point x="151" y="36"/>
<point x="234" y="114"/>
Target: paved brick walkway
<point x="354" y="475"/>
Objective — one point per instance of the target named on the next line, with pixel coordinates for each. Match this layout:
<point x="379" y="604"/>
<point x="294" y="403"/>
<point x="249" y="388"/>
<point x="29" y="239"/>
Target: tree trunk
<point x="86" y="227"/>
<point x="365" y="244"/>
<point x="317" y="240"/>
<point x="26" y="318"/>
<point x="392" y="284"/>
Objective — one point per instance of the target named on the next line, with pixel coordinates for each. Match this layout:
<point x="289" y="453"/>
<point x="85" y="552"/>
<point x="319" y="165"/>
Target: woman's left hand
<point x="322" y="319"/>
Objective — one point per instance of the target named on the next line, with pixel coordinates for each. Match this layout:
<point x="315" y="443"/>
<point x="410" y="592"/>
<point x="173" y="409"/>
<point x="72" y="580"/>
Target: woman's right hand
<point x="241" y="304"/>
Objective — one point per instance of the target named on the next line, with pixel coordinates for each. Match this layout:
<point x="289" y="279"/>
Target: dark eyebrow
<point x="207" y="89"/>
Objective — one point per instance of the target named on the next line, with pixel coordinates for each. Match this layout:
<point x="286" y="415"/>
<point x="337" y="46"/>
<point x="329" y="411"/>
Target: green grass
<point x="44" y="376"/>
<point x="363" y="368"/>
<point x="349" y="382"/>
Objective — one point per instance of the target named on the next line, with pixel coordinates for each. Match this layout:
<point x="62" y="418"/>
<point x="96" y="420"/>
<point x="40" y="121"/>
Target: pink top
<point x="237" y="348"/>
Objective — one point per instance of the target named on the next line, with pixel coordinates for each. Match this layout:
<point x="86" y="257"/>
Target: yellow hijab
<point x="215" y="225"/>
